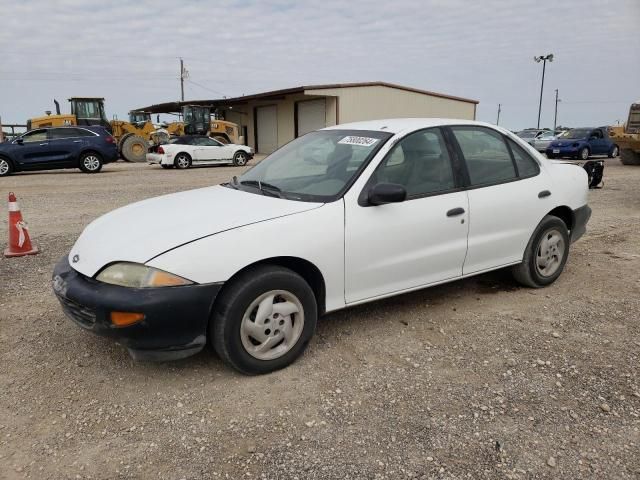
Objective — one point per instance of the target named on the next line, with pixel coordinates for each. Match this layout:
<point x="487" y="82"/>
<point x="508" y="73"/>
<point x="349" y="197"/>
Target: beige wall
<point x="353" y="104"/>
<point x="376" y="102"/>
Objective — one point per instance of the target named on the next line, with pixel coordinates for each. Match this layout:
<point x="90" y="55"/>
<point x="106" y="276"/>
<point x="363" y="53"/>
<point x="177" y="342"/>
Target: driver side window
<point x="420" y="163"/>
<point x="35" y="136"/>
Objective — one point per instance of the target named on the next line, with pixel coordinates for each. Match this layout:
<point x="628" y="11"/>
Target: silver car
<point x="542" y="142"/>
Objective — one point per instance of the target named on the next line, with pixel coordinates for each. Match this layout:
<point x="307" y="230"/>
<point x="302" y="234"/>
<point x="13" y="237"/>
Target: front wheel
<point x="5" y="167"/>
<point x="263" y="320"/>
<point x="583" y="154"/>
<point x="90" y="163"/>
<point x="546" y="254"/>
<point x="240" y="159"/>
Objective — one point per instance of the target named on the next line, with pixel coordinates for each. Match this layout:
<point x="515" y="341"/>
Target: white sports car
<point x="341" y="216"/>
<point x="188" y="150"/>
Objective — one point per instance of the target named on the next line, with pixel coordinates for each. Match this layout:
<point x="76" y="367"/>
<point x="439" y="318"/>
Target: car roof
<point x="397" y="125"/>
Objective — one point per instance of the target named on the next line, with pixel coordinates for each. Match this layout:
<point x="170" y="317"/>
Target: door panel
<point x="394" y="247"/>
<point x="267" y="129"/>
<point x="33" y="152"/>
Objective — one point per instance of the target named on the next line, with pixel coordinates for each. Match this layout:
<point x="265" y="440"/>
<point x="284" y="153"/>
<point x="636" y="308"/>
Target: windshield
<point x="576" y="133"/>
<point x="546" y="135"/>
<point x="317" y="167"/>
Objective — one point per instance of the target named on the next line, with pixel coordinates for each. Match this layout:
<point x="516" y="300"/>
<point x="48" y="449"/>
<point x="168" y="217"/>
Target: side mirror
<point x="386" y="193"/>
<point x="19" y="141"/>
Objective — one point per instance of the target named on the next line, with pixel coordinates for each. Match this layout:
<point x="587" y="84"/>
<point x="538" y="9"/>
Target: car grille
<point x="84" y="316"/>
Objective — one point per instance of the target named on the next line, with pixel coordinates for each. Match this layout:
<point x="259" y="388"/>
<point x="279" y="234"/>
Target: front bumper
<point x="176" y="318"/>
<point x="581" y="217"/>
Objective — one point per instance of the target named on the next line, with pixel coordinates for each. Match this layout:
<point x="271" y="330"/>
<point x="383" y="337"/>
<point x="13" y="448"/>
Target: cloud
<point x="128" y="52"/>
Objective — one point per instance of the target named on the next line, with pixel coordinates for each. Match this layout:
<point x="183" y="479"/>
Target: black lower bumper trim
<point x="580" y="218"/>
<point x="175" y="322"/>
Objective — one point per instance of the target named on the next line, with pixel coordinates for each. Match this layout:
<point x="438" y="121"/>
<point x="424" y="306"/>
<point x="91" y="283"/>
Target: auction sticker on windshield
<point x="360" y="141"/>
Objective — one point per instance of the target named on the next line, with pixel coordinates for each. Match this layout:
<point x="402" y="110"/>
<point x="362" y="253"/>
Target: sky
<point x="128" y="52"/>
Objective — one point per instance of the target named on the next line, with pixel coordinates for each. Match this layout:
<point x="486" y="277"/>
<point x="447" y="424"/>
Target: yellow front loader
<point x="627" y="137"/>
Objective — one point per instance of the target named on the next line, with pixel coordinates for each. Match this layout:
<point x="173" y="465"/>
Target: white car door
<point x="422" y="240"/>
<point x="508" y="195"/>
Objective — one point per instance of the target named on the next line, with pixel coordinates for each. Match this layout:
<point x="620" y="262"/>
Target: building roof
<point x="171" y="107"/>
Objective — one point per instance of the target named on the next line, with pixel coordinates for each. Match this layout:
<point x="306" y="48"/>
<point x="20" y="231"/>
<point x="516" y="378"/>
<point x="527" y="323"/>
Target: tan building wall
<point x="351" y="104"/>
<point x="376" y="102"/>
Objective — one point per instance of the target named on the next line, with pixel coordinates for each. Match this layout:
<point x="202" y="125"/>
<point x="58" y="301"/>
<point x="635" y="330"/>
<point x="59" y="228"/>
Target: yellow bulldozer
<point x="627" y="136"/>
<point x="198" y="120"/>
<point x="133" y="137"/>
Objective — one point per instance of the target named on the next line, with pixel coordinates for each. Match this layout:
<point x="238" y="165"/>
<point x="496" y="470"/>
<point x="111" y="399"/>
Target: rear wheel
<point x="263" y="320"/>
<point x="240" y="159"/>
<point x="182" y="161"/>
<point x="546" y="254"/>
<point x="134" y="149"/>
<point x="90" y="162"/>
<point x="5" y="167"/>
<point x="614" y="152"/>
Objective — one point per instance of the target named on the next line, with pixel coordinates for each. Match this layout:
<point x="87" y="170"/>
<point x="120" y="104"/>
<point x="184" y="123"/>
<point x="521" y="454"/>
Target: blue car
<point x="581" y="143"/>
<point x="83" y="147"/>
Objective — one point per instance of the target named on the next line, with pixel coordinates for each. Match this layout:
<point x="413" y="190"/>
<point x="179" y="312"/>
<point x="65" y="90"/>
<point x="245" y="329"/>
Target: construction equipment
<point x="627" y="137"/>
<point x="198" y="120"/>
<point x="134" y="136"/>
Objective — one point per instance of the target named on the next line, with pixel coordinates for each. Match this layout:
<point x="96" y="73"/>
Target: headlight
<point x="135" y="275"/>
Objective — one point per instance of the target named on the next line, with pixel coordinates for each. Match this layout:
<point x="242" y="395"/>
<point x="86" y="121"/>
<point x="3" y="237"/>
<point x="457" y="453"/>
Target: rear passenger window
<point x="527" y="166"/>
<point x="486" y="155"/>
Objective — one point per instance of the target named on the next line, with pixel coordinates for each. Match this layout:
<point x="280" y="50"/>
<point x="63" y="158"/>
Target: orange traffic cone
<point x="19" y="241"/>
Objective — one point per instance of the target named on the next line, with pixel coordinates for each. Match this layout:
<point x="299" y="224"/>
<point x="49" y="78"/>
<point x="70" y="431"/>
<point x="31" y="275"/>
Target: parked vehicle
<point x="628" y="137"/>
<point x="338" y="217"/>
<point x="530" y="134"/>
<point x="580" y="144"/>
<point x="87" y="148"/>
<point x="541" y="142"/>
<point x="188" y="150"/>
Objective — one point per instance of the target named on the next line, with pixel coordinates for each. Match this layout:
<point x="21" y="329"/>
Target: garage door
<point x="267" y="129"/>
<point x="311" y="116"/>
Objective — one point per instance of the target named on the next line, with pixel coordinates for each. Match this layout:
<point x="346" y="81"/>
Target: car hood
<point x="144" y="230"/>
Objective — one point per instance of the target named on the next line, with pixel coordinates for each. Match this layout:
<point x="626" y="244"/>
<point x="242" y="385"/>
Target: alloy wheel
<point x="550" y="253"/>
<point x="272" y="325"/>
<point x="91" y="163"/>
<point x="4" y="166"/>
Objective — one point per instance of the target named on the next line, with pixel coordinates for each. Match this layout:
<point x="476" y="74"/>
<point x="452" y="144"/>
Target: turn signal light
<point x="124" y="319"/>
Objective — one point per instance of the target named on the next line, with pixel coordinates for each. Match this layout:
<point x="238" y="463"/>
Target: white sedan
<point x="338" y="217"/>
<point x="188" y="150"/>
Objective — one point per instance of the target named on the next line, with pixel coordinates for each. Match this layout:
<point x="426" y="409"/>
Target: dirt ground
<point x="475" y="379"/>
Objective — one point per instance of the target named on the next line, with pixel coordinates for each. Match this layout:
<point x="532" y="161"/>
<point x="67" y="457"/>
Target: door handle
<point x="43" y="144"/>
<point x="455" y="212"/>
<point x="77" y="141"/>
<point x="544" y="193"/>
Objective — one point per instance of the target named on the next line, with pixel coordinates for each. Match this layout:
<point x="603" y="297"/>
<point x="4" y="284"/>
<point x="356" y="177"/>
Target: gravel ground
<point x="476" y="379"/>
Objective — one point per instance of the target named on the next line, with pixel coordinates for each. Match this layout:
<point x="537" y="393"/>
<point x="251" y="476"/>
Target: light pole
<point x="498" y="120"/>
<point x="555" y="115"/>
<point x="543" y="59"/>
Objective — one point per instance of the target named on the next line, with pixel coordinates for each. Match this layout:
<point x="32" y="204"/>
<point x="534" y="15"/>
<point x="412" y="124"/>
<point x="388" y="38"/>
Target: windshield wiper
<point x="264" y="187"/>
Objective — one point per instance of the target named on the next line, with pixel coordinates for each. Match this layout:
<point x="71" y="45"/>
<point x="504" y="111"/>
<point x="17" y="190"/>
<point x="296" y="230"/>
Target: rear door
<point x="65" y="145"/>
<point x="507" y="197"/>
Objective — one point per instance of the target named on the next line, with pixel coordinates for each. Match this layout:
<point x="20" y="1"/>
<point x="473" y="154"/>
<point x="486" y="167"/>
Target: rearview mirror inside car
<point x="387" y="193"/>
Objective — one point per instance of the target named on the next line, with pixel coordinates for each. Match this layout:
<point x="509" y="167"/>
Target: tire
<point x="240" y="159"/>
<point x="614" y="152"/>
<point x="90" y="162"/>
<point x="629" y="157"/>
<point x="583" y="154"/>
<point x="6" y="168"/>
<point x="166" y="166"/>
<point x="236" y="331"/>
<point x="182" y="161"/>
<point x="222" y="139"/>
<point x="530" y="272"/>
<point x="134" y="149"/>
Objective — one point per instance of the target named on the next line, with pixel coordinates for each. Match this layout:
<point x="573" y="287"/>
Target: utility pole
<point x="543" y="59"/>
<point x="498" y="120"/>
<point x="555" y="115"/>
<point x="181" y="80"/>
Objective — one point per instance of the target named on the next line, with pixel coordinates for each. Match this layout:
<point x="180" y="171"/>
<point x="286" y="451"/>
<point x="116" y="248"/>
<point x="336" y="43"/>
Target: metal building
<point x="269" y="120"/>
